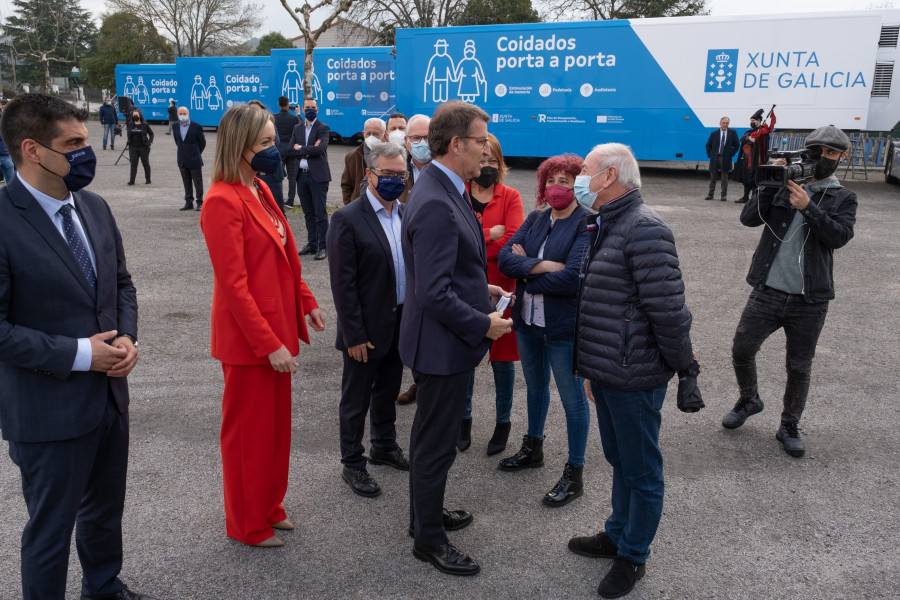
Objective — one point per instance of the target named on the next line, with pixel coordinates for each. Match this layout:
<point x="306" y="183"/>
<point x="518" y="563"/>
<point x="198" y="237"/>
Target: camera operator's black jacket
<point x="829" y="216"/>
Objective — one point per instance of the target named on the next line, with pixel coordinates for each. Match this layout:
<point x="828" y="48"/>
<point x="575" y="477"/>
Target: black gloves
<point x="689" y="398"/>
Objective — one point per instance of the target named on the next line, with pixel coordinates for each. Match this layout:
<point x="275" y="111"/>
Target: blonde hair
<point x="239" y="129"/>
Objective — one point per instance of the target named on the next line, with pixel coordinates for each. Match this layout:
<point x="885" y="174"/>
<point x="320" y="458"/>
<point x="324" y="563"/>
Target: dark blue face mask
<point x="82" y="166"/>
<point x="310" y="114"/>
<point x="390" y="188"/>
<point x="266" y="161"/>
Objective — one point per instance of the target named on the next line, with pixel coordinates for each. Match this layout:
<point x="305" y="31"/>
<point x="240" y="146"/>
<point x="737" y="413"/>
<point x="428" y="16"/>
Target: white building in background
<point x="343" y="34"/>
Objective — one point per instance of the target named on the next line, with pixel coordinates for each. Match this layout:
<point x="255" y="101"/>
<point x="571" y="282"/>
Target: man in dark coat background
<point x="191" y="142"/>
<point x="721" y="148"/>
<point x="309" y="144"/>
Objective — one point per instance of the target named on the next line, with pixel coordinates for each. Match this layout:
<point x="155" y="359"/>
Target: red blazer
<point x="259" y="299"/>
<point x="505" y="208"/>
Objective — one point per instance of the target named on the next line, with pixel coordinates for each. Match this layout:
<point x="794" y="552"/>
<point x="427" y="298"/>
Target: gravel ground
<point x="742" y="519"/>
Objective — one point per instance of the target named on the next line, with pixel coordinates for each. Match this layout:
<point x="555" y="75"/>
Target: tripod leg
<point x="124" y="150"/>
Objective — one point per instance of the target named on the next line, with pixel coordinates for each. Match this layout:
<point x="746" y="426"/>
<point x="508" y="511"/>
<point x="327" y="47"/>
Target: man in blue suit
<point x="309" y="143"/>
<point x="448" y="321"/>
<point x="721" y="147"/>
<point x="191" y="142"/>
<point x="68" y="339"/>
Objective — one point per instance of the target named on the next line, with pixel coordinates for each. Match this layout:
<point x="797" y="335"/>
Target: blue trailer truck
<point x="350" y="84"/>
<point x="658" y="85"/>
<point x="150" y="87"/>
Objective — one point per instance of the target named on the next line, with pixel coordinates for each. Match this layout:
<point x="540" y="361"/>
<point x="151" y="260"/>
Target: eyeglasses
<point x="481" y="141"/>
<point x="415" y="139"/>
<point x="403" y="175"/>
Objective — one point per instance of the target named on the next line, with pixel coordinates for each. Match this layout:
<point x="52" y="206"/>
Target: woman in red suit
<point x="258" y="309"/>
<point x="499" y="208"/>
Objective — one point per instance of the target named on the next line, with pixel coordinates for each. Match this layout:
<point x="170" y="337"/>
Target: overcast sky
<point x="276" y="18"/>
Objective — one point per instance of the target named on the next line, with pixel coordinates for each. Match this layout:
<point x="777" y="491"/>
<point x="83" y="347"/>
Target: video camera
<point x="800" y="167"/>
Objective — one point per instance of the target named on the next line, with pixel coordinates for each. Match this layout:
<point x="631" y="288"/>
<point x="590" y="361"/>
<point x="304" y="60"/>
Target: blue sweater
<point x="567" y="243"/>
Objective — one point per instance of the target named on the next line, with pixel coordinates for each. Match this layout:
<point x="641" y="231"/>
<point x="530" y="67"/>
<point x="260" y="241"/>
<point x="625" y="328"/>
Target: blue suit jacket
<point x="191" y="147"/>
<point x="46" y="303"/>
<point x="445" y="320"/>
<point x="316" y="156"/>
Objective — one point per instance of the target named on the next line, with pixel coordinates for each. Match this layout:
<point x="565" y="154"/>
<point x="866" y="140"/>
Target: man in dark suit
<point x="285" y="121"/>
<point x="191" y="142"/>
<point x="448" y="321"/>
<point x="68" y="339"/>
<point x="309" y="143"/>
<point x="368" y="282"/>
<point x="721" y="147"/>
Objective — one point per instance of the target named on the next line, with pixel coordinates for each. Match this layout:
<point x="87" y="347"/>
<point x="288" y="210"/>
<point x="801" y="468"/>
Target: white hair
<point x="620" y="157"/>
<point x="374" y="120"/>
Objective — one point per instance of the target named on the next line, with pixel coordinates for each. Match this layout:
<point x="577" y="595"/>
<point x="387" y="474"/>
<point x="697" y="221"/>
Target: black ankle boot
<point x="569" y="487"/>
<point x="465" y="435"/>
<point x="530" y="455"/>
<point x="499" y="439"/>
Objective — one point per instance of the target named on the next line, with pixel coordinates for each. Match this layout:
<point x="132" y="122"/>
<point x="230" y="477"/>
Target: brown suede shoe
<point x="407" y="397"/>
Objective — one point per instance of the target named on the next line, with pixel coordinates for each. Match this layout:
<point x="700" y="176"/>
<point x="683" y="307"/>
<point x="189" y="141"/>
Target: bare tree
<point x="310" y="36"/>
<point x="597" y="10"/>
<point x="387" y="15"/>
<point x="197" y="27"/>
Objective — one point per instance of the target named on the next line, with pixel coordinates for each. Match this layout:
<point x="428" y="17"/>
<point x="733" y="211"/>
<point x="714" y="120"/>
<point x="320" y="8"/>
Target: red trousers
<point x="256" y="440"/>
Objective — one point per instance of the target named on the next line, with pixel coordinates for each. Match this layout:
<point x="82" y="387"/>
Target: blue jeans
<point x="629" y="432"/>
<point x="504" y="384"/>
<point x="109" y="129"/>
<point x="7" y="166"/>
<point x="539" y="355"/>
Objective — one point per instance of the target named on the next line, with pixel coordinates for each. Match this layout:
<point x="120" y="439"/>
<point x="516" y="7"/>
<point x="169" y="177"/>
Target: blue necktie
<point x="468" y="199"/>
<point x="722" y="143"/>
<point x="76" y="244"/>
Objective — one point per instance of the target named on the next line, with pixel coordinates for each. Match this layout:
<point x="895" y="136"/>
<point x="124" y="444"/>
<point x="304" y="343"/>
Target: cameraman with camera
<point x="807" y="214"/>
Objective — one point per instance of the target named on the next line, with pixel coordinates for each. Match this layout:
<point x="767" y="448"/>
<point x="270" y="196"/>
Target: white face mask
<point x="371" y="141"/>
<point x="397" y="137"/>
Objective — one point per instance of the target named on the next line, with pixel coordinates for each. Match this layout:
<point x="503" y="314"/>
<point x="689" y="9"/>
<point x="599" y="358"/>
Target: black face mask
<point x="825" y="168"/>
<point x="488" y="177"/>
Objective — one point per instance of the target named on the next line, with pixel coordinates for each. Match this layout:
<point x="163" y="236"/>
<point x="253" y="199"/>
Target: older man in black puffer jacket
<point x="632" y="335"/>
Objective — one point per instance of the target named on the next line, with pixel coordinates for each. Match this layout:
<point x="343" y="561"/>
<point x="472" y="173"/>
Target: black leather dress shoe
<point x="123" y="594"/>
<point x="392" y="458"/>
<point x="188" y="205"/>
<point x="447" y="559"/>
<point x="361" y="482"/>
<point x="320" y="254"/>
<point x="452" y="519"/>
<point x="307" y="249"/>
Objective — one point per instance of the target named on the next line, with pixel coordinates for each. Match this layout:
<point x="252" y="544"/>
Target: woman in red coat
<point x="499" y="208"/>
<point x="258" y="309"/>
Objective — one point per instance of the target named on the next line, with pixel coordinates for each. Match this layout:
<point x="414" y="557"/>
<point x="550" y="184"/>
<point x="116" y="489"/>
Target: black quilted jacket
<point x="633" y="328"/>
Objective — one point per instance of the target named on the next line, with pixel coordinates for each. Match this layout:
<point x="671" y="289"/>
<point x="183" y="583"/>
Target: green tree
<point x="49" y="36"/>
<point x="124" y="39"/>
<point x="497" y="12"/>
<point x="272" y="40"/>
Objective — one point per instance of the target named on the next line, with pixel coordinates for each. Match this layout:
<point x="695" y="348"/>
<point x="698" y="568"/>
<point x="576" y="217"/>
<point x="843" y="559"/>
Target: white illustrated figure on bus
<point x="292" y="85"/>
<point x="440" y="73"/>
<point x="128" y="90"/>
<point x="470" y="75"/>
<point x="141" y="95"/>
<point x="213" y="95"/>
<point x="198" y="94"/>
